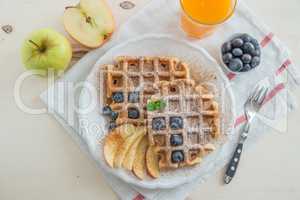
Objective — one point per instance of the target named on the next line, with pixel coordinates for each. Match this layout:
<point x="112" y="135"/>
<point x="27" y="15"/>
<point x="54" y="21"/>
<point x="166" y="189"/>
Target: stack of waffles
<point x="181" y="132"/>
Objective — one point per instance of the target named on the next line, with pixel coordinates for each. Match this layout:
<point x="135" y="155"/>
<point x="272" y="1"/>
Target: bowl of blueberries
<point x="241" y="53"/>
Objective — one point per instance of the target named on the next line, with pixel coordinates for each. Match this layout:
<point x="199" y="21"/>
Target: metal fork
<point x="251" y="108"/>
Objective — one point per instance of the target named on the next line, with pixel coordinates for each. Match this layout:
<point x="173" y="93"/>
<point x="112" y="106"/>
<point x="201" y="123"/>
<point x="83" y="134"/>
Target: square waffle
<point x="182" y="131"/>
<point x="133" y="79"/>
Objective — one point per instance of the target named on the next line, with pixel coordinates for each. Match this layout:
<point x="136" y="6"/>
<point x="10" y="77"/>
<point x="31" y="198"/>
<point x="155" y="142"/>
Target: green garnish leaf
<point x="150" y="106"/>
<point x="156" y="105"/>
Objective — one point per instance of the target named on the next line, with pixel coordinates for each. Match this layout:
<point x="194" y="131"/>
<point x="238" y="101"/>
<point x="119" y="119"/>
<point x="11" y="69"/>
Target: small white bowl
<point x="227" y="69"/>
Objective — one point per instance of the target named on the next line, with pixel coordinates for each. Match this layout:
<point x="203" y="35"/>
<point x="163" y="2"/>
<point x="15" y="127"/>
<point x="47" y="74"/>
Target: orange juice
<point x="200" y="17"/>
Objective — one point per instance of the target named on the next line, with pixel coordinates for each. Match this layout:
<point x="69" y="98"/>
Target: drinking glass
<point x="199" y="18"/>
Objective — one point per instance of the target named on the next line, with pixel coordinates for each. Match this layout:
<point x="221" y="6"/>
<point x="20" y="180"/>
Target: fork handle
<point x="233" y="164"/>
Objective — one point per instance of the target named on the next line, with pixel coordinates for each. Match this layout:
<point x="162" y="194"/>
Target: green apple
<point x="46" y="49"/>
<point x="90" y="22"/>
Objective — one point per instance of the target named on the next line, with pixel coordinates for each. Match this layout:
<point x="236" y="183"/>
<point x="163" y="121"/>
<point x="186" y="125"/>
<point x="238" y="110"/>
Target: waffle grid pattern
<point x="199" y="113"/>
<point x="139" y="75"/>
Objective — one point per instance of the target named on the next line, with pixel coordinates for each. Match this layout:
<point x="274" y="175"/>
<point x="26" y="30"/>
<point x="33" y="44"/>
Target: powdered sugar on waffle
<point x="198" y="123"/>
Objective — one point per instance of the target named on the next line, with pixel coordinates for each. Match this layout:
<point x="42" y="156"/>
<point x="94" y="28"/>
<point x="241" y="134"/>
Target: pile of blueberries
<point x="118" y="97"/>
<point x="242" y="53"/>
<point x="159" y="123"/>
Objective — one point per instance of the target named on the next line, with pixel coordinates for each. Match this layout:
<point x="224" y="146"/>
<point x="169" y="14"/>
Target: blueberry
<point x="118" y="97"/>
<point x="133" y="113"/>
<point x="237" y="52"/>
<point x="255" y="43"/>
<point x="226" y="47"/>
<point x="227" y="58"/>
<point x="176" y="140"/>
<point x="256" y="52"/>
<point x="176" y="122"/>
<point x="255" y="61"/>
<point x="246" y="58"/>
<point x="114" y="115"/>
<point x="158" y="123"/>
<point x="246" y="38"/>
<point x="235" y="65"/>
<point x="246" y="68"/>
<point x="248" y="47"/>
<point x="106" y="110"/>
<point x="133" y="97"/>
<point x="112" y="125"/>
<point x="237" y="42"/>
<point x="177" y="156"/>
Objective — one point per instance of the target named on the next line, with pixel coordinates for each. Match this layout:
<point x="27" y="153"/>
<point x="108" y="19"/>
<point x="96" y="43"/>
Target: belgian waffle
<point x="137" y="77"/>
<point x="199" y="123"/>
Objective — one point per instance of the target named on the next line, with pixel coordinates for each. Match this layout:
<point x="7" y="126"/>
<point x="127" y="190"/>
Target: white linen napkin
<point x="162" y="16"/>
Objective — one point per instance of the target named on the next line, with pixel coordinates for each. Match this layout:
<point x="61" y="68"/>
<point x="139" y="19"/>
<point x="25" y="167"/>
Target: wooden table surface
<point x="38" y="160"/>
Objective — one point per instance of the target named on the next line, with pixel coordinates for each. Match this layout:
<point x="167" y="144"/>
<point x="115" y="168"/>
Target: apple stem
<point x="67" y="7"/>
<point x="42" y="49"/>
<point x="35" y="44"/>
<point x="88" y="19"/>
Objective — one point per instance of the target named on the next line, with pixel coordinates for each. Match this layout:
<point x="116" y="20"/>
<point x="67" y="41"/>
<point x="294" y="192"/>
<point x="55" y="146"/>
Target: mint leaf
<point x="161" y="104"/>
<point x="157" y="105"/>
<point x="151" y="106"/>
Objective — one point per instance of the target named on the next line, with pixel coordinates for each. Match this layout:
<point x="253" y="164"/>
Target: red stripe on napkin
<point x="283" y="66"/>
<point x="231" y="75"/>
<point x="139" y="197"/>
<point x="241" y="119"/>
<point x="264" y="42"/>
<point x="273" y="92"/>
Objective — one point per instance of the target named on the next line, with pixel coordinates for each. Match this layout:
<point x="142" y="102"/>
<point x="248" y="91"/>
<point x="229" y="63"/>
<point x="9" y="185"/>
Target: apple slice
<point x="197" y="160"/>
<point x="114" y="140"/>
<point x="139" y="165"/>
<point x="208" y="148"/>
<point x="130" y="155"/>
<point x="124" y="148"/>
<point x="90" y="22"/>
<point x="152" y="162"/>
<point x="126" y="130"/>
<point x="111" y="145"/>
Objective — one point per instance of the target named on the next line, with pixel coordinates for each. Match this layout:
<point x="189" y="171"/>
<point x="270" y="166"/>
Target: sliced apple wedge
<point x="196" y="160"/>
<point x="90" y="22"/>
<point x="126" y="130"/>
<point x="130" y="156"/>
<point x="124" y="148"/>
<point x="208" y="148"/>
<point x="111" y="145"/>
<point x="139" y="165"/>
<point x="152" y="162"/>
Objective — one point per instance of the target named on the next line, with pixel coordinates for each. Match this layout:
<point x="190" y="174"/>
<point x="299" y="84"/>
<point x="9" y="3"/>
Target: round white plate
<point x="93" y="123"/>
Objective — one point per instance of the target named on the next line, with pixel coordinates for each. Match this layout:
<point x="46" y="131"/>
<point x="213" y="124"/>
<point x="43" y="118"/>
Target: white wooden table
<point x="38" y="160"/>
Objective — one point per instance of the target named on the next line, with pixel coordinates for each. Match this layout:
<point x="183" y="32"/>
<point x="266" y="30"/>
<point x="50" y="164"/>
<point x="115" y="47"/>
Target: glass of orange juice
<point x="199" y="18"/>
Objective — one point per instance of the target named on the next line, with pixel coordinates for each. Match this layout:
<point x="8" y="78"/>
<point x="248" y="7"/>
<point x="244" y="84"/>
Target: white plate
<point x="93" y="123"/>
